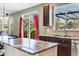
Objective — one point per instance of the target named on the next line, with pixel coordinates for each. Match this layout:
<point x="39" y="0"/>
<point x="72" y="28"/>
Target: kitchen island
<point x="24" y="47"/>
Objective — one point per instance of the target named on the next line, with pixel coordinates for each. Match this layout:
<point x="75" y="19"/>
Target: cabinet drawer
<point x="43" y="38"/>
<point x="50" y="39"/>
<point x="65" y="41"/>
<point x="61" y="40"/>
<point x="65" y="45"/>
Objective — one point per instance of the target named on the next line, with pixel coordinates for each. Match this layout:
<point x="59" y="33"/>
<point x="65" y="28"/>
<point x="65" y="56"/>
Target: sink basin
<point x="67" y="36"/>
<point x="57" y="35"/>
<point x="62" y="36"/>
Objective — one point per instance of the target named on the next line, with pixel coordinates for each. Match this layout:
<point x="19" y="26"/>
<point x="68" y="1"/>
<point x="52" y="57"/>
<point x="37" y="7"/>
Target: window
<point x="67" y="17"/>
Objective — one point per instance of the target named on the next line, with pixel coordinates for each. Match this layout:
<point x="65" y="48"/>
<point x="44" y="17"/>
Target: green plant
<point x="32" y="33"/>
<point x="70" y="25"/>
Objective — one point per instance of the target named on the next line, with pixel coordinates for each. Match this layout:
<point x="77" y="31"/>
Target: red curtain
<point x="20" y="28"/>
<point x="36" y="27"/>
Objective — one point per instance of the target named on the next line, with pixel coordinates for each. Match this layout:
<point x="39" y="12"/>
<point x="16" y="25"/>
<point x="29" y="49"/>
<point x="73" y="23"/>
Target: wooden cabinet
<point x="46" y="15"/>
<point x="43" y="38"/>
<point x="64" y="47"/>
<point x="64" y="50"/>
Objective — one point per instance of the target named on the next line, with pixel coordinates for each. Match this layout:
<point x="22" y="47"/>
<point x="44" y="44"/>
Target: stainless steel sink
<point x="57" y="35"/>
<point x="62" y="36"/>
<point x="67" y="36"/>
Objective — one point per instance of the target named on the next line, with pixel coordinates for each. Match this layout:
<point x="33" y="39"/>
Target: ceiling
<point x="14" y="7"/>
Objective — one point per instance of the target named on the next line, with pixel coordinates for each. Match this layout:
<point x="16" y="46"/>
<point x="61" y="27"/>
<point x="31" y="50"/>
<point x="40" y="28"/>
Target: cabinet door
<point x="46" y="15"/>
<point x="64" y="49"/>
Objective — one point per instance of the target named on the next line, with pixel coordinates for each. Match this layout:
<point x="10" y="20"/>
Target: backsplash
<point x="50" y="31"/>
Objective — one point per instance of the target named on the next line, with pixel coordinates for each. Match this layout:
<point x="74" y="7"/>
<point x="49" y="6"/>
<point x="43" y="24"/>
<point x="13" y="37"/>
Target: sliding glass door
<point x="30" y="25"/>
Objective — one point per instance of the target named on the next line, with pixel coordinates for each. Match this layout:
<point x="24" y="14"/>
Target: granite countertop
<point x="32" y="48"/>
<point x="67" y="37"/>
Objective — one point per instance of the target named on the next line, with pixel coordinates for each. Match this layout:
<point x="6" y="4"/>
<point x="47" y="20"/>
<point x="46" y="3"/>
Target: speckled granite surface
<point x="32" y="48"/>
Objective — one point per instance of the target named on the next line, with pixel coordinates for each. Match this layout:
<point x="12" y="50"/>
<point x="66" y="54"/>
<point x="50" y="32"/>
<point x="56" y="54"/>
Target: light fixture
<point x="6" y="14"/>
<point x="5" y="20"/>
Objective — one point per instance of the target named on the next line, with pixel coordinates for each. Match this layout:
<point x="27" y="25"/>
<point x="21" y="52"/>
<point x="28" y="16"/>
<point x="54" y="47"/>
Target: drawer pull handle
<point x="63" y="41"/>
